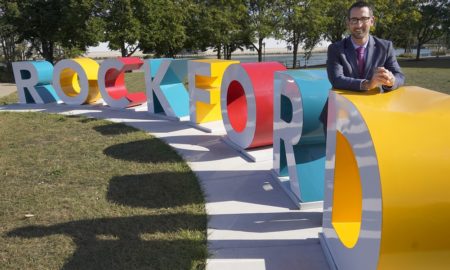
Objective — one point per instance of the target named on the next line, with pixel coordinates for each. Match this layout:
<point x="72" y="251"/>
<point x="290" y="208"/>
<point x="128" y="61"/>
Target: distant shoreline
<point x="207" y="54"/>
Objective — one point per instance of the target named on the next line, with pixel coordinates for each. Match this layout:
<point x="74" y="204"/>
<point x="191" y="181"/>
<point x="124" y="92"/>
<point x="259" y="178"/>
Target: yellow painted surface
<point x="207" y="112"/>
<point x="69" y="82"/>
<point x="348" y="232"/>
<point x="211" y="112"/>
<point x="347" y="194"/>
<point x="69" y="79"/>
<point x="410" y="129"/>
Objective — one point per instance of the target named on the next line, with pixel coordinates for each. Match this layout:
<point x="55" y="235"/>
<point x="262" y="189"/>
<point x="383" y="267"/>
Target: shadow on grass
<point x="157" y="190"/>
<point x="118" y="243"/>
<point x="114" y="129"/>
<point x="144" y="151"/>
<point x="108" y="129"/>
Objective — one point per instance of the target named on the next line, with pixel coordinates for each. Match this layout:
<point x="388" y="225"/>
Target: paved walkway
<point x="252" y="222"/>
<point x="6" y="89"/>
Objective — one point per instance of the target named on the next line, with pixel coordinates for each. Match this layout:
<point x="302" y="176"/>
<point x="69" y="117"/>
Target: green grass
<point x="431" y="73"/>
<point x="102" y="196"/>
<point x="9" y="99"/>
<point x="135" y="81"/>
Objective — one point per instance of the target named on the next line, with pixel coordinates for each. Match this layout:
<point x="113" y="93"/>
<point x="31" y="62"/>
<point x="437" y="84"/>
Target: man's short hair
<point x="360" y="4"/>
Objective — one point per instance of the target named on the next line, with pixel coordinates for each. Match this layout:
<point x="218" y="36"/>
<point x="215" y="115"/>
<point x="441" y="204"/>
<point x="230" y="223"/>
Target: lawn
<point x="80" y="193"/>
<point x="431" y="73"/>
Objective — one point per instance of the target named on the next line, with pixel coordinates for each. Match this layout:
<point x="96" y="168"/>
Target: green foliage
<point x="434" y="21"/>
<point x="11" y="49"/>
<point x="336" y="19"/>
<point x="163" y="30"/>
<point x="304" y="23"/>
<point x="396" y="20"/>
<point x="122" y="27"/>
<point x="293" y="27"/>
<point x="223" y="25"/>
<point x="265" y="19"/>
<point x="47" y="23"/>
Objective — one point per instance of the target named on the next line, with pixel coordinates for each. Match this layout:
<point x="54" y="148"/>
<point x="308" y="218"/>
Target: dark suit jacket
<point x="343" y="70"/>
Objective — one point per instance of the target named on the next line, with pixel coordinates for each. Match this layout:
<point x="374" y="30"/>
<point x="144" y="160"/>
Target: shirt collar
<point x="356" y="46"/>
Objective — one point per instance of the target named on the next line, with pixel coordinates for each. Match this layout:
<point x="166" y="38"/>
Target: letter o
<point x="247" y="103"/>
<point x="75" y="81"/>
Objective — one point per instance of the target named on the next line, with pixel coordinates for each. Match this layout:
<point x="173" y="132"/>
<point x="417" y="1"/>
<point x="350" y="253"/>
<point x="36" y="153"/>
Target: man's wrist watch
<point x="365" y="85"/>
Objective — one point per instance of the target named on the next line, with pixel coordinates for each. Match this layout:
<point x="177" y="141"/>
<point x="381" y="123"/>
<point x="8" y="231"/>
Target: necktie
<point x="360" y="58"/>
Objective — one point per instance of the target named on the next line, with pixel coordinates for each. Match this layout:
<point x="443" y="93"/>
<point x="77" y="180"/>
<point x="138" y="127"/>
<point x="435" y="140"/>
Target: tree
<point x="196" y="26"/>
<point x="336" y="19"/>
<point x="433" y="22"/>
<point x="7" y="42"/>
<point x="315" y="25"/>
<point x="395" y="20"/>
<point x="47" y="23"/>
<point x="447" y="35"/>
<point x="122" y="27"/>
<point x="294" y="25"/>
<point x="163" y="29"/>
<point x="11" y="49"/>
<point x="304" y="23"/>
<point x="265" y="18"/>
<point x="403" y="25"/>
<point x="8" y="37"/>
<point x="224" y="26"/>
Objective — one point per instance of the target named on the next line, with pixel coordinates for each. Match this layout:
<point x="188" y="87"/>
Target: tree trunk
<point x="295" y="50"/>
<point x="47" y="50"/>
<point x="225" y="51"/>
<point x="418" y="51"/>
<point x="134" y="49"/>
<point x="228" y="52"/>
<point x="260" y="41"/>
<point x="219" y="51"/>
<point x="123" y="49"/>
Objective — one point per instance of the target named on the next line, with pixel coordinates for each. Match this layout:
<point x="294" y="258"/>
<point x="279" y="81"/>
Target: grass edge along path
<point x="82" y="193"/>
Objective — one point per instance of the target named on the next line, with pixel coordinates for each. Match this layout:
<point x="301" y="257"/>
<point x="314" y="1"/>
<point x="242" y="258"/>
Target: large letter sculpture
<point x="205" y="78"/>
<point x="33" y="82"/>
<point x="387" y="202"/>
<point x="247" y="103"/>
<point x="75" y="81"/>
<point x="299" y="137"/>
<point x="111" y="81"/>
<point x="166" y="92"/>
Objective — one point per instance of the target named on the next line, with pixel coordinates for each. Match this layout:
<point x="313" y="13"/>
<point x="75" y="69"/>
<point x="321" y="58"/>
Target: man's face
<point x="359" y="23"/>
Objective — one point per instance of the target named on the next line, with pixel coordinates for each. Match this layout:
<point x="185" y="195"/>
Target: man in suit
<point x="361" y="61"/>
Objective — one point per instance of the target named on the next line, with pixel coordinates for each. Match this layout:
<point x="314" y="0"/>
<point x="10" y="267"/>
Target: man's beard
<point x="359" y="35"/>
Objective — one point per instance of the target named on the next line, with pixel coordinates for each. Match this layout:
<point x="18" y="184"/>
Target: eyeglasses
<point x="357" y="20"/>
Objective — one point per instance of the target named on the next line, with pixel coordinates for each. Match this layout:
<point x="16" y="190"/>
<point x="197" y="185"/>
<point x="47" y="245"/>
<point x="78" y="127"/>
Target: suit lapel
<point x="350" y="53"/>
<point x="368" y="65"/>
